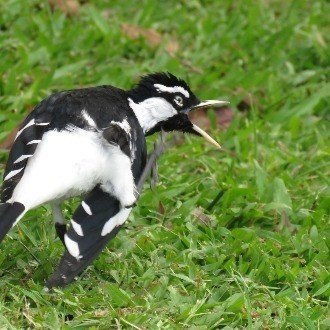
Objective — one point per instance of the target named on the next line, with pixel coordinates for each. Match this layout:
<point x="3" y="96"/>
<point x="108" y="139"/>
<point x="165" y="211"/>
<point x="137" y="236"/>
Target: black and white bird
<point x="91" y="142"/>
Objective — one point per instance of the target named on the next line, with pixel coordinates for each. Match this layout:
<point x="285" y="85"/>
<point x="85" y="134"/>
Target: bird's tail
<point x="10" y="213"/>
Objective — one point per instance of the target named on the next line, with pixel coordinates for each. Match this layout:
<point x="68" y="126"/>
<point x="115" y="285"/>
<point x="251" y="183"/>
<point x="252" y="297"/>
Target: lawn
<point x="229" y="239"/>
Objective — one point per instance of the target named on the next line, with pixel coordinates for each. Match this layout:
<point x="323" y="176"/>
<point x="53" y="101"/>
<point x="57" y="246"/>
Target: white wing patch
<point x="19" y="159"/>
<point x="88" y="118"/>
<point x="115" y="221"/>
<point x="72" y="247"/>
<point x="124" y="125"/>
<point x="12" y="173"/>
<point x="86" y="208"/>
<point x="30" y="123"/>
<point x="34" y="142"/>
<point x="127" y="128"/>
<point x="175" y="89"/>
<point x="77" y="228"/>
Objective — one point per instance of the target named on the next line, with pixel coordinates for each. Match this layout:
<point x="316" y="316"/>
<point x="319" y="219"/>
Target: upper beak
<point x="203" y="105"/>
<point x="209" y="104"/>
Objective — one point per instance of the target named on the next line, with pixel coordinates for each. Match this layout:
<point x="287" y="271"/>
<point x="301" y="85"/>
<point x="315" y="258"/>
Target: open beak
<point x="203" y="105"/>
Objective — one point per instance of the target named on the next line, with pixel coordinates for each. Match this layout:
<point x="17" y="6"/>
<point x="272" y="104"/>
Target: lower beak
<point x="203" y="105"/>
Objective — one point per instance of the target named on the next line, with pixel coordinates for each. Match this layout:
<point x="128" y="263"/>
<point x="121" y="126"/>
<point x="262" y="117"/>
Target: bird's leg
<point x="59" y="221"/>
<point x="154" y="167"/>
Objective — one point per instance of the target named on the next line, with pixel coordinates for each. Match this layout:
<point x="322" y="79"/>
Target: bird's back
<point x="102" y="103"/>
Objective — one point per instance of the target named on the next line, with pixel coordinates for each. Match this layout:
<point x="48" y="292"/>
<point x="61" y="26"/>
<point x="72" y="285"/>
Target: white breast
<point x="66" y="163"/>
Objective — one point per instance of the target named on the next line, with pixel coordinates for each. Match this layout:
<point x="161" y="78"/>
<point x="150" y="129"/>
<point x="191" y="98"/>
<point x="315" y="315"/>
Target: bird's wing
<point x="24" y="147"/>
<point x="84" y="108"/>
<point x="95" y="223"/>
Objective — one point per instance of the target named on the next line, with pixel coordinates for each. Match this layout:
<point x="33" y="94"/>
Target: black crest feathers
<point x="145" y="87"/>
<point x="163" y="78"/>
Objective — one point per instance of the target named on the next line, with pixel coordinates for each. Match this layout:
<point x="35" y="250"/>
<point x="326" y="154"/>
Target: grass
<point x="259" y="258"/>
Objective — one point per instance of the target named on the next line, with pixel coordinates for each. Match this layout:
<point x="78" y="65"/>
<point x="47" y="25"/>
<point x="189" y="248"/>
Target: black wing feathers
<point x="116" y="135"/>
<point x="104" y="104"/>
<point x="31" y="131"/>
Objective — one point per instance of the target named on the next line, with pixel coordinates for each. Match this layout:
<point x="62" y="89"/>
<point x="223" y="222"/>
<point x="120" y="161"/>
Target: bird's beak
<point x="209" y="104"/>
<point x="203" y="105"/>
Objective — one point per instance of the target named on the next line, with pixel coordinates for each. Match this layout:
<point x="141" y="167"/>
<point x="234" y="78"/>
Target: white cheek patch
<point x="175" y="89"/>
<point x="152" y="111"/>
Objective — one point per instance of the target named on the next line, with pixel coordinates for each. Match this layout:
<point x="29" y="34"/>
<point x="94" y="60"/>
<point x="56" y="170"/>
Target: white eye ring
<point x="178" y="100"/>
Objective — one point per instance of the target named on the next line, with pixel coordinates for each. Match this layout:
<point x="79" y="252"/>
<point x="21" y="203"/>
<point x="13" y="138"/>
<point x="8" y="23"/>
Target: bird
<point x="91" y="142"/>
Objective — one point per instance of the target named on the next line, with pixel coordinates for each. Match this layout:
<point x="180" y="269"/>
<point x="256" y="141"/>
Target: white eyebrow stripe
<point x="34" y="142"/>
<point x="19" y="159"/>
<point x="12" y="173"/>
<point x="30" y="123"/>
<point x="175" y="89"/>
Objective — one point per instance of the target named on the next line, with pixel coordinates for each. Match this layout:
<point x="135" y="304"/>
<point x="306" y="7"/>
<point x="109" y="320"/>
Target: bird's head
<point x="162" y="101"/>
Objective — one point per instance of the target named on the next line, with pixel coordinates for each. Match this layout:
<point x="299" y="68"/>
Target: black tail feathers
<point x="9" y="213"/>
<point x="70" y="267"/>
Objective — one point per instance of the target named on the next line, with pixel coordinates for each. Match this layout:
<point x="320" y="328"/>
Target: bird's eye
<point x="178" y="100"/>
